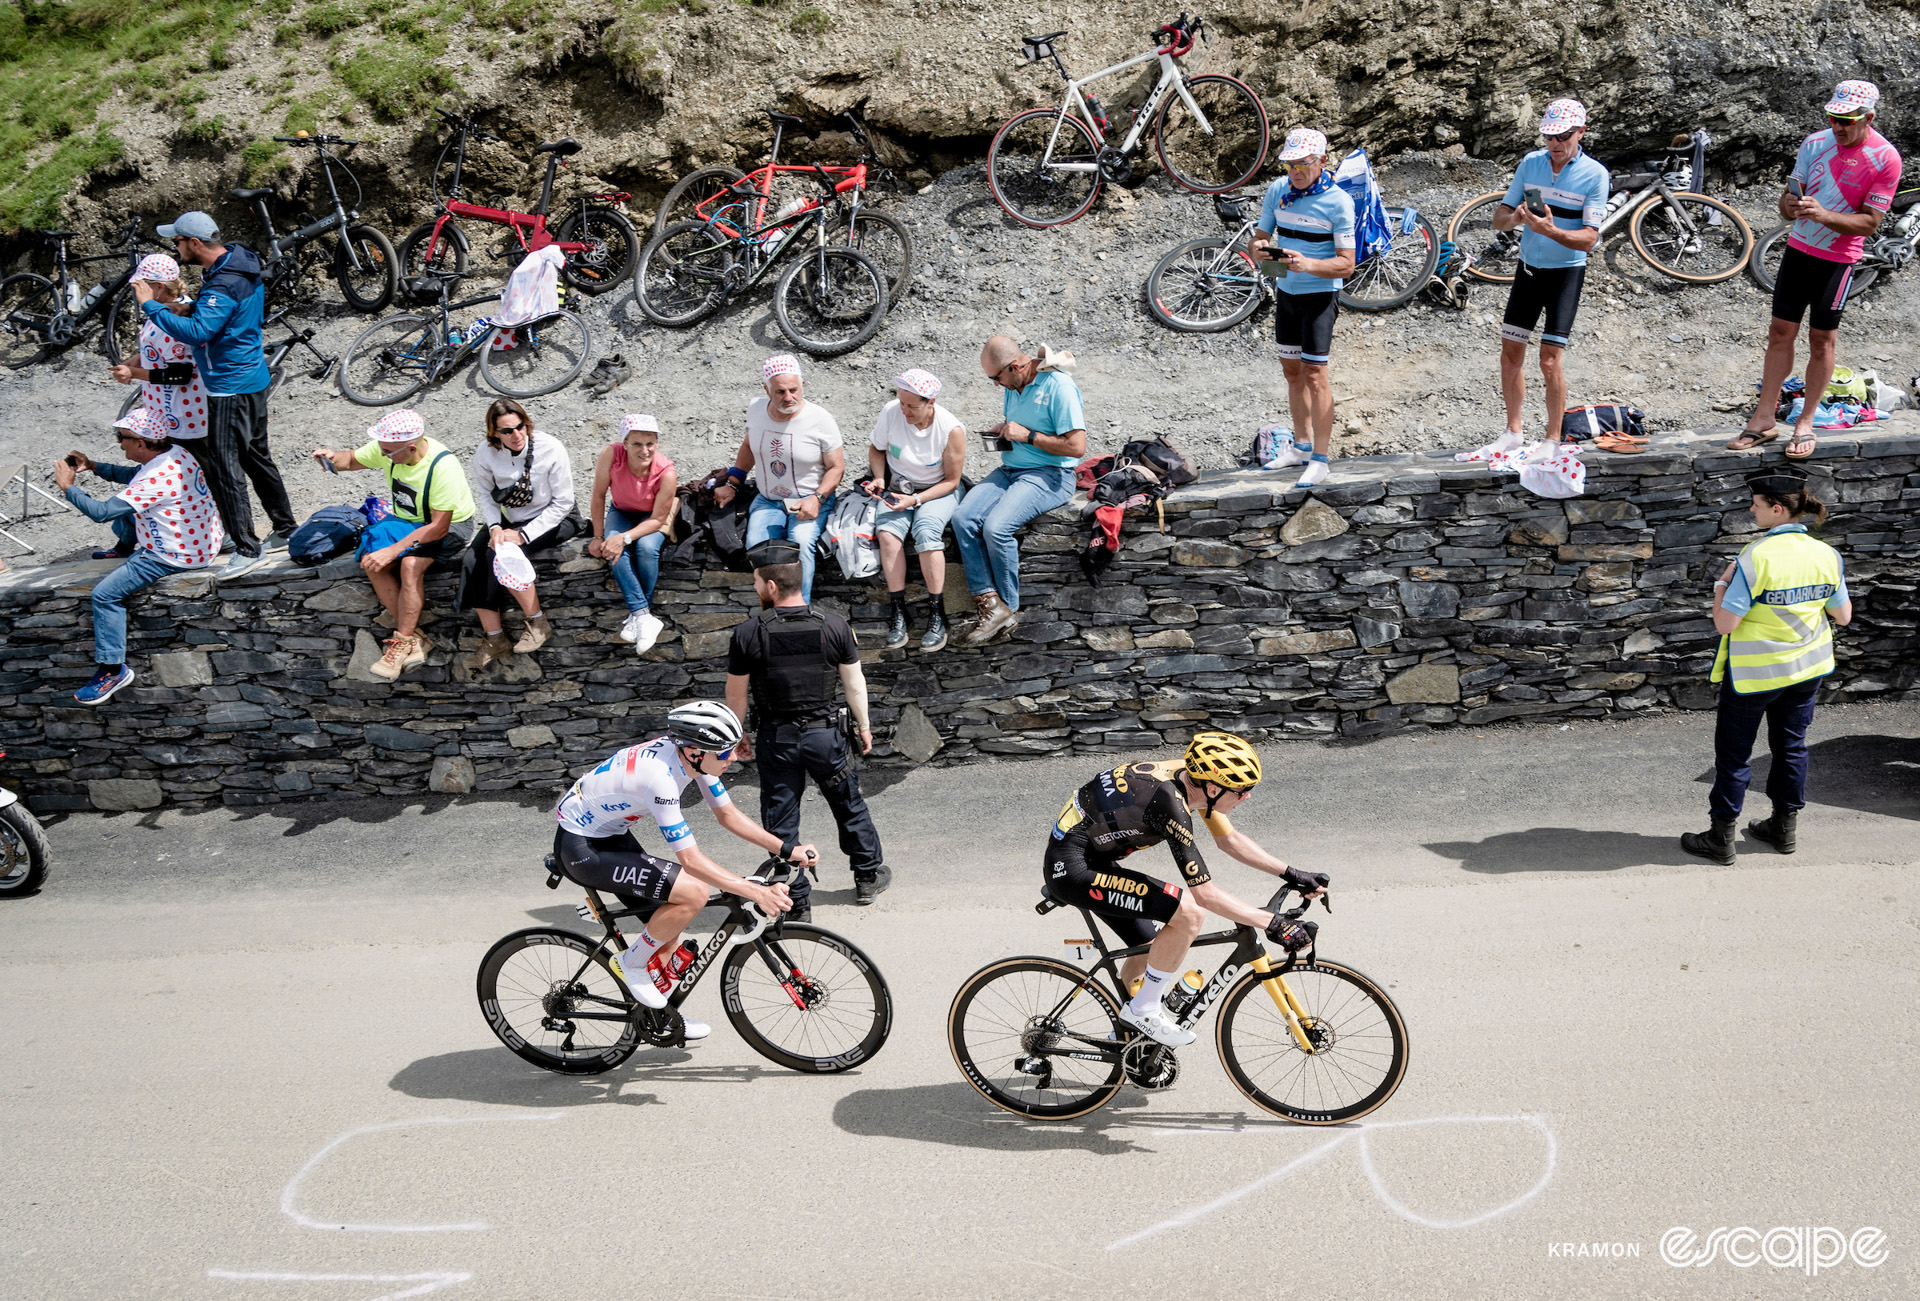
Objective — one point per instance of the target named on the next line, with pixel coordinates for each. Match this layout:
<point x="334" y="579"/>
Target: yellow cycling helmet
<point x="1223" y="759"/>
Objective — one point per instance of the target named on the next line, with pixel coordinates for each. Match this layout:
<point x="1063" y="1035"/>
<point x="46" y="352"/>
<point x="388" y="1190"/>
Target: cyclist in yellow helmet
<point x="1137" y="805"/>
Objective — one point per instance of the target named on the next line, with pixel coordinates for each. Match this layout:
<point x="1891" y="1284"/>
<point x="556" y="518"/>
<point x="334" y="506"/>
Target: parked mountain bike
<point x="41" y="316"/>
<point x="799" y="995"/>
<point x="393" y="359"/>
<point x="829" y="300"/>
<point x="362" y="262"/>
<point x="1887" y="251"/>
<point x="599" y="241"/>
<point x="1212" y="284"/>
<point x="701" y="194"/>
<point x="1309" y="1040"/>
<point x="1681" y="233"/>
<point x="1046" y="166"/>
<point x="276" y="355"/>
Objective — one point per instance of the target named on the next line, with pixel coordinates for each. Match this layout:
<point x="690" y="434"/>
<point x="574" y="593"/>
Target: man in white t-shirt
<point x="165" y="513"/>
<point x="794" y="451"/>
<point x="917" y="452"/>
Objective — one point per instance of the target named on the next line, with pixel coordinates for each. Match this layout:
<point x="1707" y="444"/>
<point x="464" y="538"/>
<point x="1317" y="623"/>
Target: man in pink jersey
<point x="1837" y="195"/>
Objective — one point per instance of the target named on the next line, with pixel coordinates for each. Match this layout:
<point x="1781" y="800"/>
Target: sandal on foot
<point x="1808" y="440"/>
<point x="1749" y="438"/>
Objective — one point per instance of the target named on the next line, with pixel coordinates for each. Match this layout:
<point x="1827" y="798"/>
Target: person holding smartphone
<point x="1557" y="200"/>
<point x="1306" y="239"/>
<point x="917" y="453"/>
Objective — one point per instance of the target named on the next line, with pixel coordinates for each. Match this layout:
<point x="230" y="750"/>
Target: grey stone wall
<point x="1407" y="592"/>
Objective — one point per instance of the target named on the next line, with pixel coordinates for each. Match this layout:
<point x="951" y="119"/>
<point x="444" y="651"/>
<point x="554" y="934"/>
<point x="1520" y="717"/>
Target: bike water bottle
<point x="73" y="298"/>
<point x="1099" y="111"/>
<point x="94" y="295"/>
<point x="682" y="959"/>
<point x="657" y="968"/>
<point x="1181" y="996"/>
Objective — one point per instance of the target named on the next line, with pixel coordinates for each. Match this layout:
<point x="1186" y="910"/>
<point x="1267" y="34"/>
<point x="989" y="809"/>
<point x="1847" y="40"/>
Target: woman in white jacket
<point x="523" y="487"/>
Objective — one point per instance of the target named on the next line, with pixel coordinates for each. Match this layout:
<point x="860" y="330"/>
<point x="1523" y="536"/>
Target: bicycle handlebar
<point x="304" y="139"/>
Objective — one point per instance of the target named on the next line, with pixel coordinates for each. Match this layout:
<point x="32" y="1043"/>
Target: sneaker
<point x="274" y="541"/>
<point x="1511" y="440"/>
<point x="240" y="565"/>
<point x="642" y="988"/>
<point x="630" y="630"/>
<point x="114" y="553"/>
<point x="393" y="662"/>
<point x="1316" y="472"/>
<point x="897" y="629"/>
<point x="103" y="684"/>
<point x="617" y="372"/>
<point x="1156" y="1025"/>
<point x="868" y="885"/>
<point x="695" y="1030"/>
<point x="646" y="632"/>
<point x="1289" y="456"/>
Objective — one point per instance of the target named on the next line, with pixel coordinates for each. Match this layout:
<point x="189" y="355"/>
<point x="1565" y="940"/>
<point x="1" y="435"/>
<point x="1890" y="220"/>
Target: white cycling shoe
<point x="644" y="991"/>
<point x="1157" y="1026"/>
<point x="697" y="1030"/>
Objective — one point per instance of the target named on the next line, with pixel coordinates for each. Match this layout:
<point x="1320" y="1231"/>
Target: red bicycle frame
<point x="856" y="179"/>
<point x="529" y="228"/>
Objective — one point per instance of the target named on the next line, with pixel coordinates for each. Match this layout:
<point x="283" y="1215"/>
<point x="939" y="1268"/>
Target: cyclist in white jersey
<point x="595" y="845"/>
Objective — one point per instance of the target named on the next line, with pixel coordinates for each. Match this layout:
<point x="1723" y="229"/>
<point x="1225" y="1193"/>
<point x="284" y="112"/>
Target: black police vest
<point x="793" y="682"/>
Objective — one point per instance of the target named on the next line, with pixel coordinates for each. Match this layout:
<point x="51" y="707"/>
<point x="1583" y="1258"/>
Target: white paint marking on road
<point x="1374" y="1180"/>
<point x="428" y="1282"/>
<point x="291" y="1191"/>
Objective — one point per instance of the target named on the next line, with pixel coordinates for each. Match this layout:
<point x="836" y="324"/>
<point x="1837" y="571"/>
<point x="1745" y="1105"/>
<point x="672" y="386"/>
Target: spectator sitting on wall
<point x="630" y="531"/>
<point x="165" y="519"/>
<point x="525" y="498"/>
<point x="917" y="452"/>
<point x="432" y="520"/>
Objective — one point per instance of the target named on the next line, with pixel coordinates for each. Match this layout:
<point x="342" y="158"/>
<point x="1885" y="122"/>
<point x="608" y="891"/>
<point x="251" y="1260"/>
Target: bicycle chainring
<point x="735" y="277"/>
<point x="1114" y="166"/>
<point x="1152" y="1066"/>
<point x="60" y="330"/>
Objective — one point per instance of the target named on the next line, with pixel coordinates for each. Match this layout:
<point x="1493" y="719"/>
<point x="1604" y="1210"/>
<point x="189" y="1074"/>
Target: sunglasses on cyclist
<point x="1837" y="120"/>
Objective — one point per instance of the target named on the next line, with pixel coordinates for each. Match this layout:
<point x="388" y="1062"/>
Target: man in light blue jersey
<point x="1556" y="201"/>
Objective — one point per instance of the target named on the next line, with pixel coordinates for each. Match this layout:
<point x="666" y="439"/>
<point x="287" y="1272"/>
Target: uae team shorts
<point x="1811" y="286"/>
<point x="1550" y="291"/>
<point x="1132" y="903"/>
<point x="1303" y="325"/>
<point x="617" y="865"/>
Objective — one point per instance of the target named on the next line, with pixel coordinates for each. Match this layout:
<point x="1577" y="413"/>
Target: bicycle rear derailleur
<point x="1150" y="1065"/>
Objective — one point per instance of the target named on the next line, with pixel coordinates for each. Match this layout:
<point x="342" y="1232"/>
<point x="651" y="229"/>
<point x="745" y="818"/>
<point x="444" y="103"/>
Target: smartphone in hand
<point x="1796" y="187"/>
<point x="1535" y="201"/>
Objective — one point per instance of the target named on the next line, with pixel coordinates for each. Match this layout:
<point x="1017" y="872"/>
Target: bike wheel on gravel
<point x="23" y="852"/>
<point x="539" y="357"/>
<point x="390" y="361"/>
<point x="692" y="196"/>
<point x="682" y="275"/>
<point x="612" y="245"/>
<point x="28" y="304"/>
<point x="1716" y="249"/>
<point x="1225" y="154"/>
<point x="1361" y="1039"/>
<point x="807" y="999"/>
<point x="1394" y="274"/>
<point x="533" y="980"/>
<point x="370" y="289"/>
<point x="450" y="254"/>
<point x="1495" y="253"/>
<point x="1004" y="1013"/>
<point x="830" y="301"/>
<point x="1763" y="266"/>
<point x="886" y="241"/>
<point x="1053" y="195"/>
<point x="1203" y="286"/>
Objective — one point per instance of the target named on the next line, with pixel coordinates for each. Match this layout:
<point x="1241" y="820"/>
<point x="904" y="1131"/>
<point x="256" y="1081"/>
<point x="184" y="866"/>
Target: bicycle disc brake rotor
<point x="1319" y="1033"/>
<point x="1114" y="165"/>
<point x="1150" y="1065"/>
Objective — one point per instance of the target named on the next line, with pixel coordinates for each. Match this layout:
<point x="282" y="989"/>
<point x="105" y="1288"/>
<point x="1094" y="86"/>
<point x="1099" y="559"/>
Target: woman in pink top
<point x="630" y="531"/>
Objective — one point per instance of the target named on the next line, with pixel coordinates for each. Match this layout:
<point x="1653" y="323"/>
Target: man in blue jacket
<point x="223" y="330"/>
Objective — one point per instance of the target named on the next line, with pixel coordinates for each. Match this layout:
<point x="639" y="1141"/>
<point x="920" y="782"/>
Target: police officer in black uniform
<point x="787" y="657"/>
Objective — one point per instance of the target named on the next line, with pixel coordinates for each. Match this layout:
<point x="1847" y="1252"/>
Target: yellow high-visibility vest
<point x="1785" y="638"/>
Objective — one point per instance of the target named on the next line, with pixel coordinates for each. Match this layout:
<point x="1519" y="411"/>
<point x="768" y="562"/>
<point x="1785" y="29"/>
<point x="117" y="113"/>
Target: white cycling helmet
<point x="704" y="725"/>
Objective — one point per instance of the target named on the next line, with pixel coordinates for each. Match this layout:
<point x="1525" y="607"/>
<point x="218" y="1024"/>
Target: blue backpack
<point x="330" y="531"/>
<point x="1372" y="233"/>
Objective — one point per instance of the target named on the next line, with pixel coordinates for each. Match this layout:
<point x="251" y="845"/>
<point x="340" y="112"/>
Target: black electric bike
<point x="799" y="995"/>
<point x="363" y="262"/>
<point x="40" y="317"/>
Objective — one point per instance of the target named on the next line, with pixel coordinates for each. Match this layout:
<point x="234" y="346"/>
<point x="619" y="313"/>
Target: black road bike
<point x="799" y="995"/>
<point x="1889" y="250"/>
<point x="363" y="262"/>
<point x="1308" y="1040"/>
<point x="41" y="316"/>
<point x="828" y="301"/>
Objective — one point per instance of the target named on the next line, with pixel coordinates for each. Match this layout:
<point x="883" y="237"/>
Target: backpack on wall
<point x="330" y="531"/>
<point x="849" y="534"/>
<point x="1609" y="415"/>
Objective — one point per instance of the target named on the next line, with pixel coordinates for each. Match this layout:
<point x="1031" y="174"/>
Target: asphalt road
<point x="227" y="1034"/>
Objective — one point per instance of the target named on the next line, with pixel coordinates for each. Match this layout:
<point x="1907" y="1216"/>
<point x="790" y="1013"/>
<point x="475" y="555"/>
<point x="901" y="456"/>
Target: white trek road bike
<point x="1046" y="166"/>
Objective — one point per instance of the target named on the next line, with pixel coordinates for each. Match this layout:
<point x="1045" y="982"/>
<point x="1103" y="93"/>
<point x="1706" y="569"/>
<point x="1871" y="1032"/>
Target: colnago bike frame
<point x="1170" y="78"/>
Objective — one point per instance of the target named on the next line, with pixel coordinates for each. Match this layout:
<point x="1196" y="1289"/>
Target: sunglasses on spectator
<point x="1837" y="120"/>
<point x="1563" y="137"/>
<point x="499" y="428"/>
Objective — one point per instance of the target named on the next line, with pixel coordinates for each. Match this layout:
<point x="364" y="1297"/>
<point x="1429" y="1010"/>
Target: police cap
<point x="774" y="551"/>
<point x="1778" y="479"/>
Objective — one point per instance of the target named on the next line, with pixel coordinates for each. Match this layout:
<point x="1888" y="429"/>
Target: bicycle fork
<point x="1283" y="998"/>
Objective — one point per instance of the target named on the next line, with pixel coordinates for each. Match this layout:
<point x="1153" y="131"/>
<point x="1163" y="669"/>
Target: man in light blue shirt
<point x="1306" y="238"/>
<point x="1041" y="439"/>
<point x="1557" y="200"/>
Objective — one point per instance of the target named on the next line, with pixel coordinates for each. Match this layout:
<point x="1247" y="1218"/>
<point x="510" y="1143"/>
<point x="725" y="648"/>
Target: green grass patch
<point x="327" y="19"/>
<point x="263" y="161"/>
<point x="811" y="22"/>
<point x="33" y="200"/>
<point x="397" y="80"/>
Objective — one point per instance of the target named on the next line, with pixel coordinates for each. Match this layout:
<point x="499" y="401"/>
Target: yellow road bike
<point x="1308" y="1040"/>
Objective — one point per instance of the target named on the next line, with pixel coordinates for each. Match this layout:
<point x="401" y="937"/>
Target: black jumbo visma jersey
<point x="1134" y="807"/>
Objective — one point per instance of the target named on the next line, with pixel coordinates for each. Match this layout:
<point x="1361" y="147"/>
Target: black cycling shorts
<point x="1814" y="287"/>
<point x="1303" y="325"/>
<point x="1134" y="904"/>
<point x="1554" y="291"/>
<point x="617" y="865"/>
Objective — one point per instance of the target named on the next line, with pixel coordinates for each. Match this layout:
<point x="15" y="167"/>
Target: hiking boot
<point x="495" y="646"/>
<point x="1778" y="830"/>
<point x="393" y="662"/>
<point x="995" y="618"/>
<point x="1715" y="844"/>
<point x="936" y="638"/>
<point x="868" y="884"/>
<point x="897" y="630"/>
<point x="617" y="372"/>
<point x="417" y="653"/>
<point x="538" y="633"/>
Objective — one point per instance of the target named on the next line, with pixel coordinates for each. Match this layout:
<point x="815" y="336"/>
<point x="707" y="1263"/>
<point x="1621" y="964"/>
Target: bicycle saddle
<point x="786" y="118"/>
<point x="60" y="234"/>
<point x="247" y="195"/>
<point x="566" y="147"/>
<point x="1048" y="39"/>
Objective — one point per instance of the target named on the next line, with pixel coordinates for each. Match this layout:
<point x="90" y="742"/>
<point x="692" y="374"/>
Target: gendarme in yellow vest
<point x="1785" y="637"/>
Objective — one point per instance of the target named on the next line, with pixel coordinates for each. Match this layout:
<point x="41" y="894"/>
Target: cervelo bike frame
<point x="1170" y="79"/>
